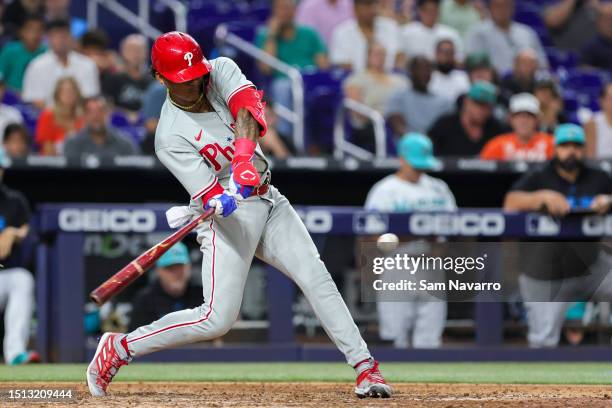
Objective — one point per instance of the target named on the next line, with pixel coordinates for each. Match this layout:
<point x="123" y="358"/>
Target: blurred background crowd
<point x="490" y="79"/>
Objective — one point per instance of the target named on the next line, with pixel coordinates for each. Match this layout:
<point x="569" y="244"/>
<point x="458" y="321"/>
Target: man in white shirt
<point x="420" y="321"/>
<point x="349" y="43"/>
<point x="446" y="80"/>
<point x="419" y="38"/>
<point x="60" y="61"/>
<point x="502" y="38"/>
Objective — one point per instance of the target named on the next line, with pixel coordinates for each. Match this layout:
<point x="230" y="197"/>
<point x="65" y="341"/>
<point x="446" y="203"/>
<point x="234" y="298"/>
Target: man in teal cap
<point x="171" y="291"/>
<point x="566" y="184"/>
<point x="466" y="131"/>
<point x="420" y="321"/>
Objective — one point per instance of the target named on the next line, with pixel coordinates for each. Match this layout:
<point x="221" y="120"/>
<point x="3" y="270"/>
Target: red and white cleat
<point x="370" y="382"/>
<point x="111" y="354"/>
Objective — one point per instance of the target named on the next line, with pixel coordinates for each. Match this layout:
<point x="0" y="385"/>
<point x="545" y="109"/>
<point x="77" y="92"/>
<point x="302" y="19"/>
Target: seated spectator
<point x="349" y="44"/>
<point x="17" y="11"/>
<point x="126" y="89"/>
<point x="502" y="38"/>
<point x="372" y="87"/>
<point x="153" y="100"/>
<point x="571" y="23"/>
<point x="479" y="68"/>
<point x="55" y="9"/>
<point x="565" y="184"/>
<point x="8" y="114"/>
<point x="524" y="142"/>
<point x="523" y="75"/>
<point x="171" y="290"/>
<point x="551" y="105"/>
<point x="16" y="141"/>
<point x="60" y="61"/>
<point x="447" y="81"/>
<point x="97" y="137"/>
<point x="16" y="283"/>
<point x="61" y="120"/>
<point x="415" y="109"/>
<point x="399" y="10"/>
<point x="296" y="45"/>
<point x="420" y="37"/>
<point x="598" y="52"/>
<point x="324" y="15"/>
<point x="461" y="14"/>
<point x="419" y="322"/>
<point x="95" y="45"/>
<point x="465" y="132"/>
<point x="599" y="128"/>
<point x="16" y="55"/>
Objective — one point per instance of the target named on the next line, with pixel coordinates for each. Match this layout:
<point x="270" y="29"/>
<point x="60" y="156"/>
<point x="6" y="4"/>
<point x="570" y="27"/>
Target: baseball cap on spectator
<point x="569" y="133"/>
<point x="476" y="61"/>
<point x="524" y="102"/>
<point x="177" y="255"/>
<point x="417" y="150"/>
<point x="483" y="92"/>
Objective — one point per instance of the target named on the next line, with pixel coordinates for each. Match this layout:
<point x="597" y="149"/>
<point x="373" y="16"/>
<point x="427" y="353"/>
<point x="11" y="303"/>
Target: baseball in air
<point x="387" y="242"/>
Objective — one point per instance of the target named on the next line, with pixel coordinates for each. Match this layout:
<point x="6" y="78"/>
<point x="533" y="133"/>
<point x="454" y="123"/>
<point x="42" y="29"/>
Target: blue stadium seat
<point x="561" y="59"/>
<point x="531" y="18"/>
<point x="11" y="98"/>
<point x="322" y="96"/>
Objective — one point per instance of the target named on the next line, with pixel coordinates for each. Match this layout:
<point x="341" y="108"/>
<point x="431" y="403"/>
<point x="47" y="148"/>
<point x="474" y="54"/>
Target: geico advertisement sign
<point x="466" y="224"/>
<point x="95" y="220"/>
<point x="597" y="225"/>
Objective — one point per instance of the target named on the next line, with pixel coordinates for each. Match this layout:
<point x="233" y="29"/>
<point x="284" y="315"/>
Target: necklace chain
<point x="187" y="107"/>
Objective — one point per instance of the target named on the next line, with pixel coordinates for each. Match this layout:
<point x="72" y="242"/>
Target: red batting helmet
<point x="178" y="57"/>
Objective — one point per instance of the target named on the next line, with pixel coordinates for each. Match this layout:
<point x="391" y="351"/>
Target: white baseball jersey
<point x="198" y="149"/>
<point x="393" y="194"/>
<point x="423" y="318"/>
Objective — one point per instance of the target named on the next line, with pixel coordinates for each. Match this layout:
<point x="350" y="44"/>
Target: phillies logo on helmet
<point x="188" y="57"/>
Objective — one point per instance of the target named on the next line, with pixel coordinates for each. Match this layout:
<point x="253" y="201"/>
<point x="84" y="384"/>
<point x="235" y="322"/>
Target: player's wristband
<point x="244" y="150"/>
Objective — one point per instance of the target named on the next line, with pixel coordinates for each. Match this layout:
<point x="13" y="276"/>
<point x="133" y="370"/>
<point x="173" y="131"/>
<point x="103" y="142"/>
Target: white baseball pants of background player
<point x="270" y="229"/>
<point x="17" y="301"/>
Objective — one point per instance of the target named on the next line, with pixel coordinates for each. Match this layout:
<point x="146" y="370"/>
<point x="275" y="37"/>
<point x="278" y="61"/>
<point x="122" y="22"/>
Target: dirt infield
<point x="320" y="395"/>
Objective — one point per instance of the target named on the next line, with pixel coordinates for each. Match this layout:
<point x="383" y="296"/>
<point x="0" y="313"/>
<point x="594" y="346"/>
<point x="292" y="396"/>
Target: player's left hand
<point x="224" y="204"/>
<point x="243" y="179"/>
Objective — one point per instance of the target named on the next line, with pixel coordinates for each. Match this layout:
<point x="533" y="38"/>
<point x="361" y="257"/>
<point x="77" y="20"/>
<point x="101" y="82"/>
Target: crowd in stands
<point x="421" y="64"/>
<point x="447" y="68"/>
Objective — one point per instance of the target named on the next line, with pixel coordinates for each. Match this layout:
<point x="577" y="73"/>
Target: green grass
<point x="509" y="373"/>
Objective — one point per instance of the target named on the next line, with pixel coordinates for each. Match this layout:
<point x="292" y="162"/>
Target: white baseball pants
<point x="270" y="229"/>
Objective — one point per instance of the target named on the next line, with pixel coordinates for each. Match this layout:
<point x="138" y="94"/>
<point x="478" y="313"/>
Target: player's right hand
<point x="224" y="204"/>
<point x="243" y="179"/>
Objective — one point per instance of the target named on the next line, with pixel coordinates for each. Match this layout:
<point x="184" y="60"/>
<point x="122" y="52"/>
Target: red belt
<point x="260" y="190"/>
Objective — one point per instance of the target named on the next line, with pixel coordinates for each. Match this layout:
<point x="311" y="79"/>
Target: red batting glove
<point x="244" y="176"/>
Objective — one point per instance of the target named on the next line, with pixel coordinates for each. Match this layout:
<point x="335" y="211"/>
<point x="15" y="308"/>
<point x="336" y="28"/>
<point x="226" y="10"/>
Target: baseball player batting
<point x="207" y="137"/>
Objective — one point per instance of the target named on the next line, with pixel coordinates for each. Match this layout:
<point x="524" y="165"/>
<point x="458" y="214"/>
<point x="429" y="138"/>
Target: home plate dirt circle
<point x="257" y="394"/>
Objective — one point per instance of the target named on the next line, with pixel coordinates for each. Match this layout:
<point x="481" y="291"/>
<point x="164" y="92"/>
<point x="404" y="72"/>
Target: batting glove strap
<point x="224" y="204"/>
<point x="243" y="179"/>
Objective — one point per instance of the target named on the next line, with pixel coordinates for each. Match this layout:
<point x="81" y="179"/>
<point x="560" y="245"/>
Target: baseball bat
<point x="140" y="265"/>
